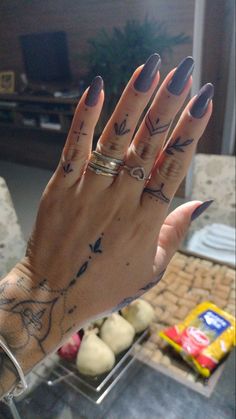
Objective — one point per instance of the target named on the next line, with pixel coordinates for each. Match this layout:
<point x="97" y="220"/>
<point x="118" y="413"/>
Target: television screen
<point x="45" y="57"/>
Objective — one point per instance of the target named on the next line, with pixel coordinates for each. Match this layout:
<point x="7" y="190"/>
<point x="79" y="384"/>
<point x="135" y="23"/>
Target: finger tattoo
<point x="178" y="146"/>
<point x="158" y="193"/>
<point x="154" y="127"/>
<point x="121" y="129"/>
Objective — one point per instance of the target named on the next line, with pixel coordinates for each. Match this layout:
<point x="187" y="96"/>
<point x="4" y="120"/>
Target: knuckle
<point x="77" y="153"/>
<point x="171" y="169"/>
<point x="145" y="150"/>
<point x="113" y="146"/>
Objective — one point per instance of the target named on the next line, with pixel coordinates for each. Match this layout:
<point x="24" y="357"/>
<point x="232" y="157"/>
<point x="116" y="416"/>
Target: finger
<point x="119" y="130"/>
<point x="172" y="233"/>
<point x="174" y="230"/>
<point x="151" y="135"/>
<point x="173" y="163"/>
<point x="79" y="140"/>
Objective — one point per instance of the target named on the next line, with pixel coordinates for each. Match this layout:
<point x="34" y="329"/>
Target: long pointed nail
<point x="94" y="91"/>
<point x="200" y="209"/>
<point x="181" y="76"/>
<point x="148" y="73"/>
<point x="202" y="101"/>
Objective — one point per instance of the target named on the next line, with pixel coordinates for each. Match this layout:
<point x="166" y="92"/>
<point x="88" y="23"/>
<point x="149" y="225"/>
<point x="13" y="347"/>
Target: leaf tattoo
<point x="177" y="146"/>
<point x="67" y="168"/>
<point x="95" y="248"/>
<point x="121" y="129"/>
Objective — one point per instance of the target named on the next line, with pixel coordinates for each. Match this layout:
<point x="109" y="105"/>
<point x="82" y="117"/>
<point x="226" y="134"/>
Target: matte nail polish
<point x="202" y="100"/>
<point x="148" y="73"/>
<point x="94" y="91"/>
<point x="199" y="210"/>
<point x="181" y="76"/>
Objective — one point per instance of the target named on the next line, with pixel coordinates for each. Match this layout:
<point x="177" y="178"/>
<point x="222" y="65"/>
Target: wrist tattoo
<point x="33" y="312"/>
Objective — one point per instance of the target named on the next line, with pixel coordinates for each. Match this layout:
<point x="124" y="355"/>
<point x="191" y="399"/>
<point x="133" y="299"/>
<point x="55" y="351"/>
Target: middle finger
<point x="150" y="137"/>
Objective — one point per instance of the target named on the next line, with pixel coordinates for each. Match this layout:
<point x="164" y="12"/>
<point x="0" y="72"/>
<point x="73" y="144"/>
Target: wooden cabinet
<point x="33" y="129"/>
<point x="36" y="112"/>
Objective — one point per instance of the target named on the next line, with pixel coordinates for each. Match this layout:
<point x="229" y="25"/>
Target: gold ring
<point x="99" y="171"/>
<point x="104" y="165"/>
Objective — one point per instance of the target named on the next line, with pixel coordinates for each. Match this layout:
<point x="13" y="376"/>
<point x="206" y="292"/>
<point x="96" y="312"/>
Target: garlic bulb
<point x="94" y="356"/>
<point x="139" y="313"/>
<point x="99" y="322"/>
<point x="117" y="333"/>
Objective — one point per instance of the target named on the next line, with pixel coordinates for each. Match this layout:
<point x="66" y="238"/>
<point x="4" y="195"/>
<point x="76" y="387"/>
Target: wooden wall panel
<point x="219" y="29"/>
<point x="81" y="20"/>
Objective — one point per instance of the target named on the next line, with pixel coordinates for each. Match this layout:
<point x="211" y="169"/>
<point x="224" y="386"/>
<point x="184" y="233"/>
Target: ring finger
<point x="173" y="163"/>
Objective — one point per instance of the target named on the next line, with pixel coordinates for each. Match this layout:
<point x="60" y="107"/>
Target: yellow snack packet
<point x="205" y="336"/>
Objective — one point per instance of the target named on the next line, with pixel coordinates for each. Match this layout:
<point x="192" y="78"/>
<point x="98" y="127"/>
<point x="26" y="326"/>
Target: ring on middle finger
<point x="104" y="165"/>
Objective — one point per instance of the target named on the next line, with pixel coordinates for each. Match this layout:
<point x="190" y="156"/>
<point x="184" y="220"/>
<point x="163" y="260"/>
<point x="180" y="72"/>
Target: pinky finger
<point x="79" y="140"/>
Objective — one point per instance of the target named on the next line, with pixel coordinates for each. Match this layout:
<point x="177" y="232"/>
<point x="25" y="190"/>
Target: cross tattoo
<point x="80" y="132"/>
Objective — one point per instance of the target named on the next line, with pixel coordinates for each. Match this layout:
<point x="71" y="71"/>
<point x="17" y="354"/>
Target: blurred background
<point x="49" y="53"/>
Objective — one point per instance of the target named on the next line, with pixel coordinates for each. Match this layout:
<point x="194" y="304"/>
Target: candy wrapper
<point x="205" y="336"/>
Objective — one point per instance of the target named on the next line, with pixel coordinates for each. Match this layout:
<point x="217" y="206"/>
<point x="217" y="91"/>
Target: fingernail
<point x="202" y="100"/>
<point x="94" y="91"/>
<point x="148" y="73"/>
<point x="199" y="210"/>
<point x="181" y="76"/>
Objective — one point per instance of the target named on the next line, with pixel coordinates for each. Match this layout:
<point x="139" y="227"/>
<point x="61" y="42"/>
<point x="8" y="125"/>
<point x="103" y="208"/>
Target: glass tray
<point x="55" y="370"/>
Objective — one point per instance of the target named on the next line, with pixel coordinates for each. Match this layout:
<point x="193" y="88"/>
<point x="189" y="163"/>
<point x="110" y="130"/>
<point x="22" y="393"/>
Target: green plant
<point x="114" y="56"/>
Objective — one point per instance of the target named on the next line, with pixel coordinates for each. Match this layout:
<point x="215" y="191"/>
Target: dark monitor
<point x="46" y="57"/>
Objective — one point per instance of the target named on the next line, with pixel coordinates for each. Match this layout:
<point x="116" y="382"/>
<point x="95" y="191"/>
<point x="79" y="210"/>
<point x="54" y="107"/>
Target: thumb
<point x="175" y="228"/>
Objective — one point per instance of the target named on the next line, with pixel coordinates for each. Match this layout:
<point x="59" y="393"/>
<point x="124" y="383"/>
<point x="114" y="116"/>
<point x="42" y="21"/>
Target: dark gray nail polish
<point x="181" y="76"/>
<point x="199" y="210"/>
<point x="94" y="91"/>
<point x="202" y="100"/>
<point x="148" y="73"/>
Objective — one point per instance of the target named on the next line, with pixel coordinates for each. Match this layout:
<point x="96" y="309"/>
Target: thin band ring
<point x="137" y="172"/>
<point x="104" y="165"/>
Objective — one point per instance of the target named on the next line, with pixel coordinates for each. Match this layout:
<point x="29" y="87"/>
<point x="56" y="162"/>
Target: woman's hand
<point x="100" y="241"/>
<point x="105" y="239"/>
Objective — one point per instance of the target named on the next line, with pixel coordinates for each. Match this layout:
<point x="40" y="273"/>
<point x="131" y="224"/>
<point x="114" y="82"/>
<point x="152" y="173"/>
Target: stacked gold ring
<point x="104" y="165"/>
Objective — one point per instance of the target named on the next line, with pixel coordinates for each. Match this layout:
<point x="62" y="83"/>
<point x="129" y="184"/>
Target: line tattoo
<point x="158" y="193"/>
<point x="152" y="283"/>
<point x="154" y="127"/>
<point x="121" y="129"/>
<point x="80" y="132"/>
<point x="177" y="146"/>
<point x="124" y="303"/>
